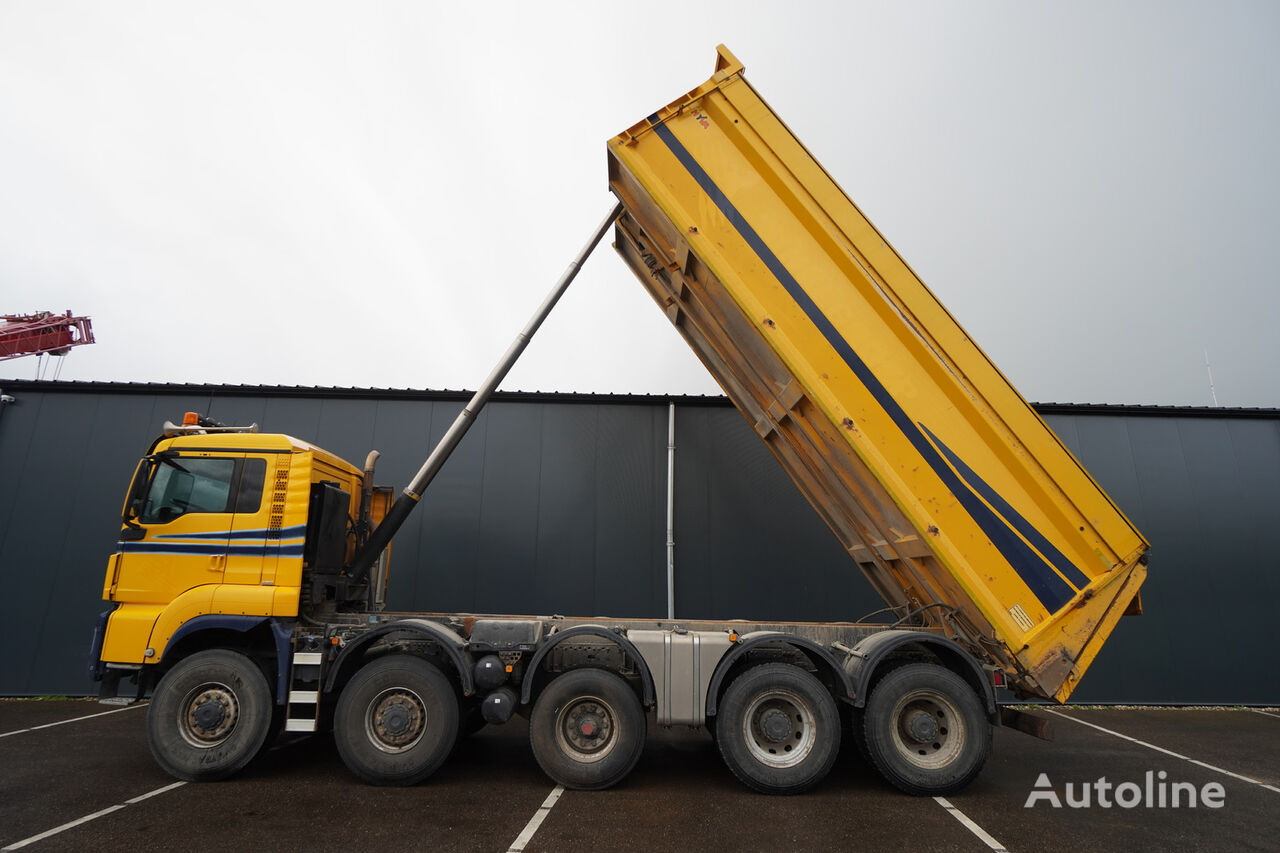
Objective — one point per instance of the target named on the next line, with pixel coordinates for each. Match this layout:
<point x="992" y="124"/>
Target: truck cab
<point x="228" y="530"/>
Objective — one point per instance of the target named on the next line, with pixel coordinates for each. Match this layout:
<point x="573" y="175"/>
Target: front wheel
<point x="396" y="721"/>
<point x="587" y="729"/>
<point x="778" y="729"/>
<point x="209" y="716"/>
<point x="926" y="732"/>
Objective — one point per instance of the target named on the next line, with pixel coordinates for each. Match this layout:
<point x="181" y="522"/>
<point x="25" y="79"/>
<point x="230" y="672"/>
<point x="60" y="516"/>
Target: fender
<point x="96" y="666"/>
<point x="454" y="646"/>
<point x="873" y="650"/>
<point x="281" y="634"/>
<point x="757" y="639"/>
<point x="208" y="622"/>
<point x="628" y="647"/>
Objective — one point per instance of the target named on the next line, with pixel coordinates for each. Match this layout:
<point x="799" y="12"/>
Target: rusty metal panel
<point x="949" y="492"/>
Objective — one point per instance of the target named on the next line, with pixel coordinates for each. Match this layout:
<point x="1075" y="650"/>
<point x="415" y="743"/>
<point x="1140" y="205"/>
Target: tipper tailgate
<point x="959" y="503"/>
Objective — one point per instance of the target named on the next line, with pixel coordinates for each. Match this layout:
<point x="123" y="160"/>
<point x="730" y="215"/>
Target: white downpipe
<point x="671" y="511"/>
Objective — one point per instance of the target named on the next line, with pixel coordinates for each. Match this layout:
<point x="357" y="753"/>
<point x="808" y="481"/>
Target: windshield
<point x="196" y="484"/>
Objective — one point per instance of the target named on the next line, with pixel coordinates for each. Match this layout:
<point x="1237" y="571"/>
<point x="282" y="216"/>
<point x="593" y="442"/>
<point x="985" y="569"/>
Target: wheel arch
<point x="264" y="639"/>
<point x="628" y="648"/>
<point x="872" y="654"/>
<point x="829" y="669"/>
<point x="453" y="646"/>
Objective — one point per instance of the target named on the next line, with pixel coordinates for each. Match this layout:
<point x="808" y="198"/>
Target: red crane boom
<point x="45" y="332"/>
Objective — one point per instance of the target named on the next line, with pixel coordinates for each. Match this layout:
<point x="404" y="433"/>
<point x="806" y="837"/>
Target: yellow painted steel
<point x="160" y="591"/>
<point x="127" y="632"/>
<point x="942" y="482"/>
<point x="197" y="601"/>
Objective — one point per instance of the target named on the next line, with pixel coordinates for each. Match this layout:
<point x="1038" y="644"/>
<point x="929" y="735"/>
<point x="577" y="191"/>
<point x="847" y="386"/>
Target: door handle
<point x="218" y="563"/>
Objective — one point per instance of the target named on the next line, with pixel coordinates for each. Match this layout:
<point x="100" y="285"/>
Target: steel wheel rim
<point x="207" y="715"/>
<point x="396" y="720"/>
<point x="762" y="728"/>
<point x="910" y="729"/>
<point x="575" y="741"/>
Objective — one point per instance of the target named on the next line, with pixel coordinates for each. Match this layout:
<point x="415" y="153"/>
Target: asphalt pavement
<point x="75" y="775"/>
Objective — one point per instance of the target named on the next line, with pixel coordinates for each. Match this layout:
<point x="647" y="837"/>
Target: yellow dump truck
<point x="246" y="602"/>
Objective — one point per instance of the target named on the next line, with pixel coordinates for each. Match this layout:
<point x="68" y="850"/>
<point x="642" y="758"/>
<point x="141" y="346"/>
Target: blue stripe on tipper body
<point x="1048" y="587"/>
<point x="1059" y="560"/>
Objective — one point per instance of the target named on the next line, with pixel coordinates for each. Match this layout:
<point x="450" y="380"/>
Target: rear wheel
<point x="587" y="729"/>
<point x="926" y="731"/>
<point x="396" y="721"/>
<point x="778" y="729"/>
<point x="209" y="716"/>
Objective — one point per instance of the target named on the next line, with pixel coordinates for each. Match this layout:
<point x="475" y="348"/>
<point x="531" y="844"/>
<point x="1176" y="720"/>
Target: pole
<point x="671" y="511"/>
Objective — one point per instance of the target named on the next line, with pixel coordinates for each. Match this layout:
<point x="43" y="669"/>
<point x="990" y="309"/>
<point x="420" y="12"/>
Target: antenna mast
<point x="1212" y="394"/>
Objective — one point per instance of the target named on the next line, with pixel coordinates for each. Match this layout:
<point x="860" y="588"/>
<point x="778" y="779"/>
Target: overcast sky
<point x="379" y="194"/>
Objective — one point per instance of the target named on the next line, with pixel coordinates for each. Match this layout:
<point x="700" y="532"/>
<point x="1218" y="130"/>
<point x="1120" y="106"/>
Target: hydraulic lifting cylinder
<point x="408" y="499"/>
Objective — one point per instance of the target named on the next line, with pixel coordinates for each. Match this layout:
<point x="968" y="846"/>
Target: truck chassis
<point x="399" y="690"/>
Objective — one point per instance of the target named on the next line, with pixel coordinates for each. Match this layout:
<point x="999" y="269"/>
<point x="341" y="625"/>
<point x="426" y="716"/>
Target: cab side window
<point x="253" y="475"/>
<point x="186" y="484"/>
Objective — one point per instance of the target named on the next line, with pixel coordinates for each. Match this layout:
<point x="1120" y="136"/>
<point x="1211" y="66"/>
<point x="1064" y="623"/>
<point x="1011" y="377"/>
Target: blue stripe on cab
<point x="178" y="548"/>
<point x="260" y="533"/>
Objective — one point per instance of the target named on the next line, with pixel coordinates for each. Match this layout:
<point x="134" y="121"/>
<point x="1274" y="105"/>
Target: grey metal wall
<point x="1205" y="491"/>
<point x="556" y="504"/>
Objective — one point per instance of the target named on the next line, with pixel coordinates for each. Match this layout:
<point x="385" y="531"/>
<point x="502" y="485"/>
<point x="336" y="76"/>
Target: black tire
<point x="851" y="719"/>
<point x="587" y="729"/>
<point x="778" y="729"/>
<point x="277" y="726"/>
<point x="209" y="716"/>
<point x="472" y="721"/>
<point x="396" y="721"/>
<point x="926" y="731"/>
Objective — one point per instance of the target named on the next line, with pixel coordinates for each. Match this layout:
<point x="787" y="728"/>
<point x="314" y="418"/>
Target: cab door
<point x="179" y="529"/>
<point x="250" y="555"/>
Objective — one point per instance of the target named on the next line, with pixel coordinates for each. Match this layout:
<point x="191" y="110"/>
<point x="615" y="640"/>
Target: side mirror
<point x="136" y="501"/>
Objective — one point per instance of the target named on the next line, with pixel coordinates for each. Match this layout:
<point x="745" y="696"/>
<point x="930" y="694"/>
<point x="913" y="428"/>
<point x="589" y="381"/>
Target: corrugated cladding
<point x="555" y="503"/>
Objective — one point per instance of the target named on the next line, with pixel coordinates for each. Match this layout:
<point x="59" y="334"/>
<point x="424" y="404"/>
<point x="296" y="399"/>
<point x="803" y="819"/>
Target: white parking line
<point x="18" y="845"/>
<point x="526" y="835"/>
<point x="73" y="720"/>
<point x="1264" y="713"/>
<point x="1165" y="751"/>
<point x="969" y="824"/>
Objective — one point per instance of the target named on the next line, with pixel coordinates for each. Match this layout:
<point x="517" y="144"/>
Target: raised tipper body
<point x="944" y="485"/>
